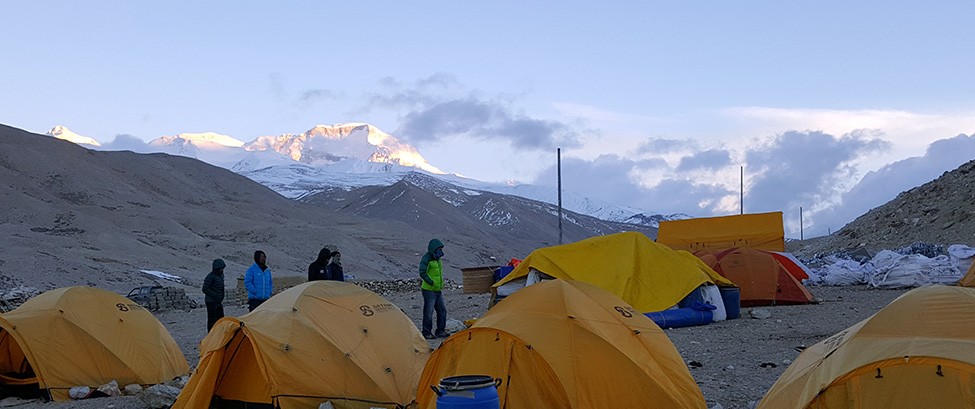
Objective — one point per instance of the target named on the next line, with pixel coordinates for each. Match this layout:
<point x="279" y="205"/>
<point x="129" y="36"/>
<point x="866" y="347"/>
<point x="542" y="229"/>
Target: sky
<point x="674" y="107"/>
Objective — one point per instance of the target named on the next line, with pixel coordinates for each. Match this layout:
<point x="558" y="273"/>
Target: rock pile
<point x="168" y="298"/>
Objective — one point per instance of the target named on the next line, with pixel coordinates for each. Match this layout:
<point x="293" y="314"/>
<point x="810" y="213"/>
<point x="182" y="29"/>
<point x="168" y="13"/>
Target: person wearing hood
<point x="334" y="269"/>
<point x="213" y="290"/>
<point x="318" y="269"/>
<point x="258" y="281"/>
<point x="431" y="276"/>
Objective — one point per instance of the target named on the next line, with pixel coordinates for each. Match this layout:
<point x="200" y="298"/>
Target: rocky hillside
<point x="937" y="212"/>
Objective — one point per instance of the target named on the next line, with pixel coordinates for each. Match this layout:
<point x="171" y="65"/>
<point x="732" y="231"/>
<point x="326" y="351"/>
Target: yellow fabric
<point x="87" y="336"/>
<point x="761" y="231"/>
<point x="316" y="342"/>
<point x="969" y="279"/>
<point x="906" y="341"/>
<point x="649" y="276"/>
<point x="567" y="344"/>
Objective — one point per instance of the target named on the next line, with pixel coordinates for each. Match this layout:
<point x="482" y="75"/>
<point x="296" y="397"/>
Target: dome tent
<point x="567" y="344"/>
<point x="85" y="336"/>
<point x="315" y="342"/>
<point x="917" y="352"/>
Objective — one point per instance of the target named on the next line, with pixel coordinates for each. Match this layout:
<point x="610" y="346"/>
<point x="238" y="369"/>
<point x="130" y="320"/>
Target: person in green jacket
<point x="431" y="275"/>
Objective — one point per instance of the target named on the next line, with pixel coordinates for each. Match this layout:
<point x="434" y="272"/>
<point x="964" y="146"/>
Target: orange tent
<point x="764" y="277"/>
<point x="917" y="352"/>
<point x="85" y="336"/>
<point x="323" y="341"/>
<point x="969" y="279"/>
<point x="567" y="344"/>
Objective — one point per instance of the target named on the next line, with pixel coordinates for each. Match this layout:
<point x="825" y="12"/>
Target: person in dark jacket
<point x="318" y="269"/>
<point x="258" y="281"/>
<point x="334" y="269"/>
<point x="431" y="285"/>
<point x="213" y="290"/>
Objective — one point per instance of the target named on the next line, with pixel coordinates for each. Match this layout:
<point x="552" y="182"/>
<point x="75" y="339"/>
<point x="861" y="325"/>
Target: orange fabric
<point x="917" y="352"/>
<point x="567" y="344"/>
<point x="85" y="336"/>
<point x="316" y="342"/>
<point x="760" y="275"/>
<point x="758" y="231"/>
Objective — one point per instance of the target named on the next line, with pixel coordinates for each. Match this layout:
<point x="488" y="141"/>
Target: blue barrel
<point x="731" y="296"/>
<point x="680" y="317"/>
<point x="468" y="392"/>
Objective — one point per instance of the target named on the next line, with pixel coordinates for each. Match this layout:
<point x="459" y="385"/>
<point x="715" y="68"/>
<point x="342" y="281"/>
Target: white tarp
<point x="889" y="269"/>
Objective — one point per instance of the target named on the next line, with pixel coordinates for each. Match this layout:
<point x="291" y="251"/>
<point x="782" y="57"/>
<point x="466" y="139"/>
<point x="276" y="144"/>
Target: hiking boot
<point x="429" y="336"/>
<point x="442" y="334"/>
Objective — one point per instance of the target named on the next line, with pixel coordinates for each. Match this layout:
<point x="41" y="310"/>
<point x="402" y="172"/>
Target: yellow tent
<point x="917" y="352"/>
<point x="762" y="231"/>
<point x="649" y="276"/>
<point x="567" y="344"/>
<point x="83" y="336"/>
<point x="315" y="342"/>
<point x="969" y="279"/>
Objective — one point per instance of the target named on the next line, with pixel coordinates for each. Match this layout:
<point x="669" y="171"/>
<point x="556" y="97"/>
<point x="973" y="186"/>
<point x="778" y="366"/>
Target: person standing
<point x="318" y="269"/>
<point x="431" y="275"/>
<point x="334" y="269"/>
<point x="213" y="289"/>
<point x="257" y="279"/>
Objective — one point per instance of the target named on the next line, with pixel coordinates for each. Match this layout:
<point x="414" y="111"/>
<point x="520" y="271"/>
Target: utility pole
<point x="558" y="152"/>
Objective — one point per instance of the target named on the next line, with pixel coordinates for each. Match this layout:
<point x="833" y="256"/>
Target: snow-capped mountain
<point x="354" y="155"/>
<point x="326" y="145"/>
<point x="62" y="132"/>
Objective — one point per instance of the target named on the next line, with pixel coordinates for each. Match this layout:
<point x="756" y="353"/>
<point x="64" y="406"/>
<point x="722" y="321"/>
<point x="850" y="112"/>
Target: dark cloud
<point x="883" y="185"/>
<point x="707" y="160"/>
<point x="802" y="169"/>
<point x="611" y="178"/>
<point x="124" y="142"/>
<point x="438" y="107"/>
<point x="484" y="120"/>
<point x="663" y="145"/>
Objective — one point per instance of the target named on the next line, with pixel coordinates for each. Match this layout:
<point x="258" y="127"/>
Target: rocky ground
<point x="734" y="362"/>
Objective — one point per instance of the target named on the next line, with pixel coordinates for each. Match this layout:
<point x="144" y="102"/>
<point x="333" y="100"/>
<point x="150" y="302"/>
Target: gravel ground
<point x="733" y="361"/>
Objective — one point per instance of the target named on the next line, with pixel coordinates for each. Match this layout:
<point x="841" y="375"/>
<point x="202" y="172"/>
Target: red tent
<point x="764" y="277"/>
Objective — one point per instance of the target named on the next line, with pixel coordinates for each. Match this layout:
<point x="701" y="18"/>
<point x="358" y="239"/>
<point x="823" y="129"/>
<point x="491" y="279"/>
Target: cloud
<point x="658" y="146"/>
<point x="615" y="179"/>
<point x="439" y="107"/>
<point x="125" y="142"/>
<point x="712" y="159"/>
<point x="316" y="94"/>
<point x="802" y="169"/>
<point x="884" y="184"/>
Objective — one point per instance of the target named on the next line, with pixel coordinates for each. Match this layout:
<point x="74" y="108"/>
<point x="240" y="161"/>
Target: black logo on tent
<point x="121" y="307"/>
<point x="366" y="310"/>
<point x="623" y="311"/>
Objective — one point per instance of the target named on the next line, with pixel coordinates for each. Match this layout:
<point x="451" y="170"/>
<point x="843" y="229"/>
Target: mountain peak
<point x="328" y="144"/>
<point x="62" y="132"/>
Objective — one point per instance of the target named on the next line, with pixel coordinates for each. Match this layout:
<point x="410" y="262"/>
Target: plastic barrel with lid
<point x="468" y="392"/>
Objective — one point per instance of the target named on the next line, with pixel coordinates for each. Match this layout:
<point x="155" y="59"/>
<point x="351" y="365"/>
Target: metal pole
<point x="559" y="154"/>
<point x="800" y="223"/>
<point x="741" y="192"/>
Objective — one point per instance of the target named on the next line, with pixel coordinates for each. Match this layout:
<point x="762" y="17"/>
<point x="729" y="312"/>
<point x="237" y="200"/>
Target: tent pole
<point x="741" y="192"/>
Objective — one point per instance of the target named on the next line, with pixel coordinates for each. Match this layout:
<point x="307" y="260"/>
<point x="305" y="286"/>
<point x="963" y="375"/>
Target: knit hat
<point x="218" y="264"/>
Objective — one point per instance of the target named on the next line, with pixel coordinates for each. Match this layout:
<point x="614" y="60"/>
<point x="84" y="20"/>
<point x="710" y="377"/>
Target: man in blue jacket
<point x="257" y="279"/>
<point x="431" y="277"/>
